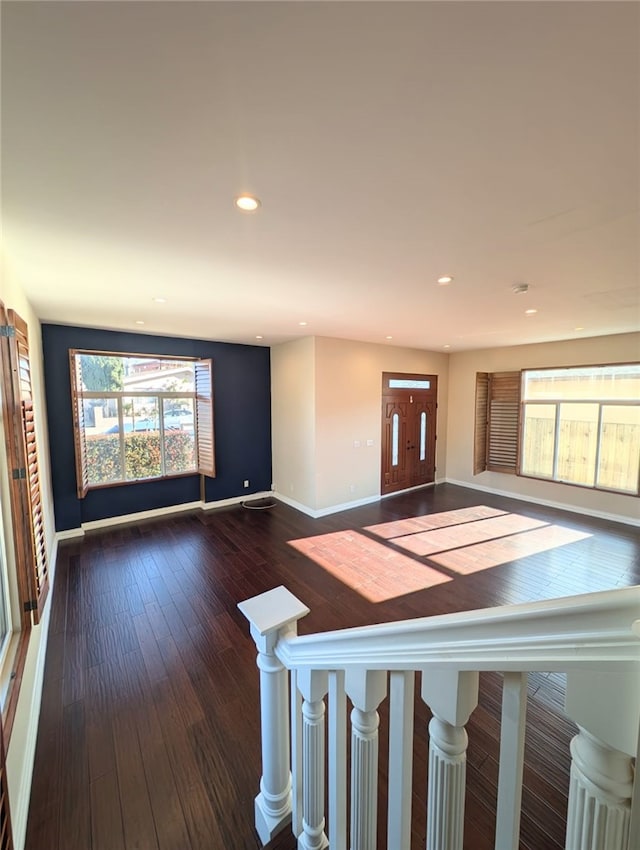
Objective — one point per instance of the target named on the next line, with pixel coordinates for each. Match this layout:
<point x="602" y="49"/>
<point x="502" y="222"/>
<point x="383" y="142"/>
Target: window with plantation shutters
<point x="26" y="499"/>
<point x="138" y="417"/>
<point x="497" y="420"/>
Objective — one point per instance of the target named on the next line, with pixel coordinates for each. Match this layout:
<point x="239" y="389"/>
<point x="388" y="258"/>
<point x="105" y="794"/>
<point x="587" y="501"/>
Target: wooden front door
<point x="408" y="430"/>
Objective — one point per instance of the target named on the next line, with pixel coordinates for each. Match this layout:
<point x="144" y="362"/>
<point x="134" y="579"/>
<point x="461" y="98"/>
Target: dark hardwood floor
<point x="149" y="729"/>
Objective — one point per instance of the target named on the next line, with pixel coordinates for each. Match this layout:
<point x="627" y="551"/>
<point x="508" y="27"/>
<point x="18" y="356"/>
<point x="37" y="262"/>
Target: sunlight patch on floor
<point x="398" y="528"/>
<point x="492" y="553"/>
<point x="372" y="569"/>
<point x="464" y="541"/>
<point x="457" y="536"/>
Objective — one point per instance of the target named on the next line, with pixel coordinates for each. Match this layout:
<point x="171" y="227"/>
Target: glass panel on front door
<point x="395" y="429"/>
<point x="423" y="435"/>
<point x="408" y="384"/>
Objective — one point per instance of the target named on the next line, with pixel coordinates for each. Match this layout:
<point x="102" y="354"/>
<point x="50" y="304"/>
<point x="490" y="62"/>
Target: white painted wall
<point x="23" y="738"/>
<point x="293" y="421"/>
<point x="343" y="408"/>
<point x="462" y="376"/>
<point x="349" y="410"/>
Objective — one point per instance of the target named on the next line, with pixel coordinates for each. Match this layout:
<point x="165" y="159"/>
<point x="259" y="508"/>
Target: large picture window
<point x="139" y="417"/>
<point x="572" y="425"/>
<point x="582" y="426"/>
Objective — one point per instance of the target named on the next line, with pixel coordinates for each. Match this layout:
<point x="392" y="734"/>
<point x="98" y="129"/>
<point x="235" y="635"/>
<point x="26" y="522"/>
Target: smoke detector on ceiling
<point x="520" y="288"/>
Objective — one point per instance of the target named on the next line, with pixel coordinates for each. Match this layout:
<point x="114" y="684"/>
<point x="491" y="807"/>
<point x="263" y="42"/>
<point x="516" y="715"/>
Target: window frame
<point x="202" y="396"/>
<point x="482" y="426"/>
<point x="557" y="402"/>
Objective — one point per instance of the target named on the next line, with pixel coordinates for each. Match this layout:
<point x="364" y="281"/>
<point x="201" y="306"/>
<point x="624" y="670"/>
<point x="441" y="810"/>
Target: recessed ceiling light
<point x="139" y="322"/>
<point x="580" y="328"/>
<point x="247" y="203"/>
<point x="259" y="337"/>
<point x="302" y="324"/>
<point x="445" y="279"/>
<point x="160" y="300"/>
<point x="388" y="337"/>
<point x="446" y="346"/>
<point x="530" y="312"/>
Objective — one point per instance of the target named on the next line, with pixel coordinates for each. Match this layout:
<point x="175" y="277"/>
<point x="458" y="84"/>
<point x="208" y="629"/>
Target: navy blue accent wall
<point x="242" y="424"/>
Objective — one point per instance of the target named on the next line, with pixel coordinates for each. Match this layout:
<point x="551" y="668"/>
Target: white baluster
<point x="337" y="761"/>
<point x="447" y="780"/>
<point x="366" y="689"/>
<point x="272" y="615"/>
<point x="599" y="812"/>
<point x="452" y="696"/>
<point x="313" y="686"/>
<point x="512" y="732"/>
<point x="401" y="705"/>
<point x="296" y="756"/>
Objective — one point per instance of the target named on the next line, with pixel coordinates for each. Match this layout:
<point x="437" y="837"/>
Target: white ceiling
<point x="390" y="143"/>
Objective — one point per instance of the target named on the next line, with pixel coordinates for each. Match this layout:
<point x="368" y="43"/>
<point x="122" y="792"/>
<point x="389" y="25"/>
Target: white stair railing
<point x="593" y="638"/>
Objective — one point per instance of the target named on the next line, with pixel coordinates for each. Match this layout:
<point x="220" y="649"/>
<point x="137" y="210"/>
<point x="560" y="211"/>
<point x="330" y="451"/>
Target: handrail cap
<point x="270" y="611"/>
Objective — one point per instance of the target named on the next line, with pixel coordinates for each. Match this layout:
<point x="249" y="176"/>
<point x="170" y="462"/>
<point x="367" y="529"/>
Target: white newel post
<point x="599" y="811"/>
<point x="452" y="696"/>
<point x="272" y="615"/>
<point x="366" y="690"/>
<point x="313" y="685"/>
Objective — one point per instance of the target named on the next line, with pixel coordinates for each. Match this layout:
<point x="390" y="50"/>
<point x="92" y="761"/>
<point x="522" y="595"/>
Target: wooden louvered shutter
<point x="79" y="433"/>
<point x="40" y="573"/>
<point x="6" y="837"/>
<point x="481" y="423"/>
<point x="31" y="552"/>
<point x="17" y="467"/>
<point x="503" y="419"/>
<point x="204" y="418"/>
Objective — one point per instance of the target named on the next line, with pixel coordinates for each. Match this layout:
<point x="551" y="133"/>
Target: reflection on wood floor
<point x="149" y="730"/>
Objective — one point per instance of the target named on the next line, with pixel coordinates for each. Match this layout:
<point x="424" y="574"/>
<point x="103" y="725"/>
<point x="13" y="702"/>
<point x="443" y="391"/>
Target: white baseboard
<point x="107" y="522"/>
<point x="332" y="509"/>
<point x="235" y="500"/>
<point x="549" y="503"/>
<point x="69" y="534"/>
<point x="152" y="514"/>
<point x="345" y="506"/>
<point x="410" y="490"/>
<point x="298" y="506"/>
